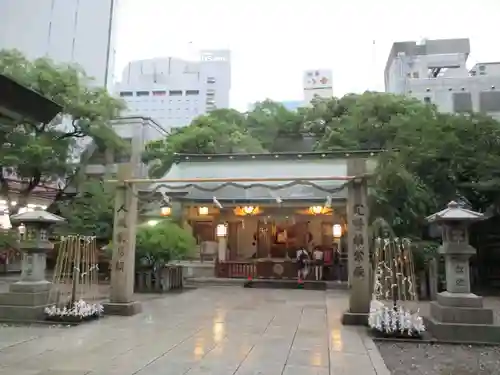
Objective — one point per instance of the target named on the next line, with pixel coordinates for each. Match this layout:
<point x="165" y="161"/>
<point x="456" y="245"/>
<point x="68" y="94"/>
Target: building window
<point x="415" y="75"/>
<point x="462" y="102"/>
<point x="427" y="100"/>
<point x="142" y="93"/>
<point x="175" y="93"/>
<point x="489" y="101"/>
<point x="126" y="93"/>
<point x="192" y="92"/>
<point x="159" y="93"/>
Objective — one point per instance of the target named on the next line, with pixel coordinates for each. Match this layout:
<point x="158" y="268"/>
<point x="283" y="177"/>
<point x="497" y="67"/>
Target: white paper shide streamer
<point x="394" y="285"/>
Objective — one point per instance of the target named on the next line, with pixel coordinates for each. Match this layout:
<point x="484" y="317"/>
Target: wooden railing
<point x="274" y="270"/>
<point x="235" y="269"/>
<point x="163" y="280"/>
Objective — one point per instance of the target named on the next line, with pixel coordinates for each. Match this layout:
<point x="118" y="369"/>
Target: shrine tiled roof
<point x="295" y="171"/>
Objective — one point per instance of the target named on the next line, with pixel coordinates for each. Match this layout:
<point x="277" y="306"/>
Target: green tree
<point x="270" y="122"/>
<point x="159" y="244"/>
<point x="269" y="127"/>
<point x="218" y="132"/>
<point x="431" y="157"/>
<point x="41" y="153"/>
<point x="91" y="212"/>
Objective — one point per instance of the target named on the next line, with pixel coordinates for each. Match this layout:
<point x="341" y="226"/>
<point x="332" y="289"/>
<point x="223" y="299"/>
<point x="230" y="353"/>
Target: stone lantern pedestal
<point x="28" y="297"/>
<point x="458" y="314"/>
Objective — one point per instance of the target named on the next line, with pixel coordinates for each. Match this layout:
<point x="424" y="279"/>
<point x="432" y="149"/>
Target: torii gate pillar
<point x="358" y="245"/>
<point x="123" y="261"/>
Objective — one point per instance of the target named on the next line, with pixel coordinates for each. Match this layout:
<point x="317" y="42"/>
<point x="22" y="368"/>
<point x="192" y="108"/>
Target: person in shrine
<point x="302" y="260"/>
<point x="318" y="263"/>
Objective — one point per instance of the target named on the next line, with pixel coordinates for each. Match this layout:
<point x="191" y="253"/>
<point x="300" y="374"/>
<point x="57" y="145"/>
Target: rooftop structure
<point x="435" y="71"/>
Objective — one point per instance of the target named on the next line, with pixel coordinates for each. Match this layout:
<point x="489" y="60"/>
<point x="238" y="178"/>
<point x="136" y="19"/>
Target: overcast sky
<point x="274" y="41"/>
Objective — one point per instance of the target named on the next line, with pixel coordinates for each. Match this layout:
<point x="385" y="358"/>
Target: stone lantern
<point x="34" y="243"/>
<point x="454" y="222"/>
<point x="27" y="298"/>
<point x="458" y="314"/>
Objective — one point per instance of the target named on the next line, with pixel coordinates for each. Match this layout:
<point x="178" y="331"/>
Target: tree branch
<point x="76" y="133"/>
<point x="4" y="184"/>
<point x="33" y="183"/>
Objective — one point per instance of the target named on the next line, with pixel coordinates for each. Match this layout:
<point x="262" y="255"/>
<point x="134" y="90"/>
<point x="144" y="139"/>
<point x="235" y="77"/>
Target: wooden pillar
<point x="123" y="260"/>
<point x="358" y="245"/>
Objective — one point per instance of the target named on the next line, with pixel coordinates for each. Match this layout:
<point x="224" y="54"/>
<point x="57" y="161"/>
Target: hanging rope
<point x="76" y="271"/>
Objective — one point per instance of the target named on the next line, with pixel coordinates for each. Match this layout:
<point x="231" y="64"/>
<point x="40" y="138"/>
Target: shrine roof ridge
<point x="338" y="154"/>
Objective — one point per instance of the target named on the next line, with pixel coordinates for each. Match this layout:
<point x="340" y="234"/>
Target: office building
<point x="67" y="31"/>
<point x="435" y="71"/>
<point x="317" y="83"/>
<point x="173" y="91"/>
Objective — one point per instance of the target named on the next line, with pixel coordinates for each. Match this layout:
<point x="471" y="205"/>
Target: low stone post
<point x="433" y="278"/>
<point x="458" y="314"/>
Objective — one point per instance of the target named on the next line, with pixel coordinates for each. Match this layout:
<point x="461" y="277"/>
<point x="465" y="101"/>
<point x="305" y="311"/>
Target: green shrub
<point x="159" y="244"/>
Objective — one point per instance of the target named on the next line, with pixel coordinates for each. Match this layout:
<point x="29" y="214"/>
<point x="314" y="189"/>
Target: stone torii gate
<point x="124" y="232"/>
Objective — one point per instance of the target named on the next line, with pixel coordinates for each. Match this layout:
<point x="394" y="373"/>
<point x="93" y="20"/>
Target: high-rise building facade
<point x="67" y="31"/>
<point x="435" y="71"/>
<point x="173" y="91"/>
<point x="317" y="83"/>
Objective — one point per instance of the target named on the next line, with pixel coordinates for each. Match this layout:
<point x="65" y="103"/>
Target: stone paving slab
<point x="217" y="331"/>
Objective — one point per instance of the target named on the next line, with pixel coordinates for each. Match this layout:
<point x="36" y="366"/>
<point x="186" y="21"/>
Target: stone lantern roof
<point x="455" y="213"/>
<point x="37" y="216"/>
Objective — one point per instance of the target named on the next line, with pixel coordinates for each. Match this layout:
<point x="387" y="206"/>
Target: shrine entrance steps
<point x="293" y="284"/>
<point x="200" y="282"/>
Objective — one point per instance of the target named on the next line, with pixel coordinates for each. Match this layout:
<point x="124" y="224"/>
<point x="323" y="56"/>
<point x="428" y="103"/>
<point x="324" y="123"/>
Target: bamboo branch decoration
<point x="76" y="271"/>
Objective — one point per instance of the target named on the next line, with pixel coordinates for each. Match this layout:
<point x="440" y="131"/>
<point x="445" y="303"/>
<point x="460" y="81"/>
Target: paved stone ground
<point x="420" y="359"/>
<point x="425" y="359"/>
<point x="218" y="331"/>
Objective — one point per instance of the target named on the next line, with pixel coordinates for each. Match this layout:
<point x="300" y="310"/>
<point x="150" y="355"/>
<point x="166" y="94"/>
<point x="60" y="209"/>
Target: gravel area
<point x="427" y="359"/>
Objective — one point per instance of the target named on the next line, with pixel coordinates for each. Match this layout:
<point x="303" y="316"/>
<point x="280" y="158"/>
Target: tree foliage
<point x="91" y="212"/>
<point x="41" y="153"/>
<point x="219" y="132"/>
<point x="431" y="157"/>
<point x="159" y="244"/>
<point x="229" y="131"/>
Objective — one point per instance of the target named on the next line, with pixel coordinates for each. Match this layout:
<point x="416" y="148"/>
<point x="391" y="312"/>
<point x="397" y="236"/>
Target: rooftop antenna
<point x="374" y="67"/>
<point x="192" y="53"/>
